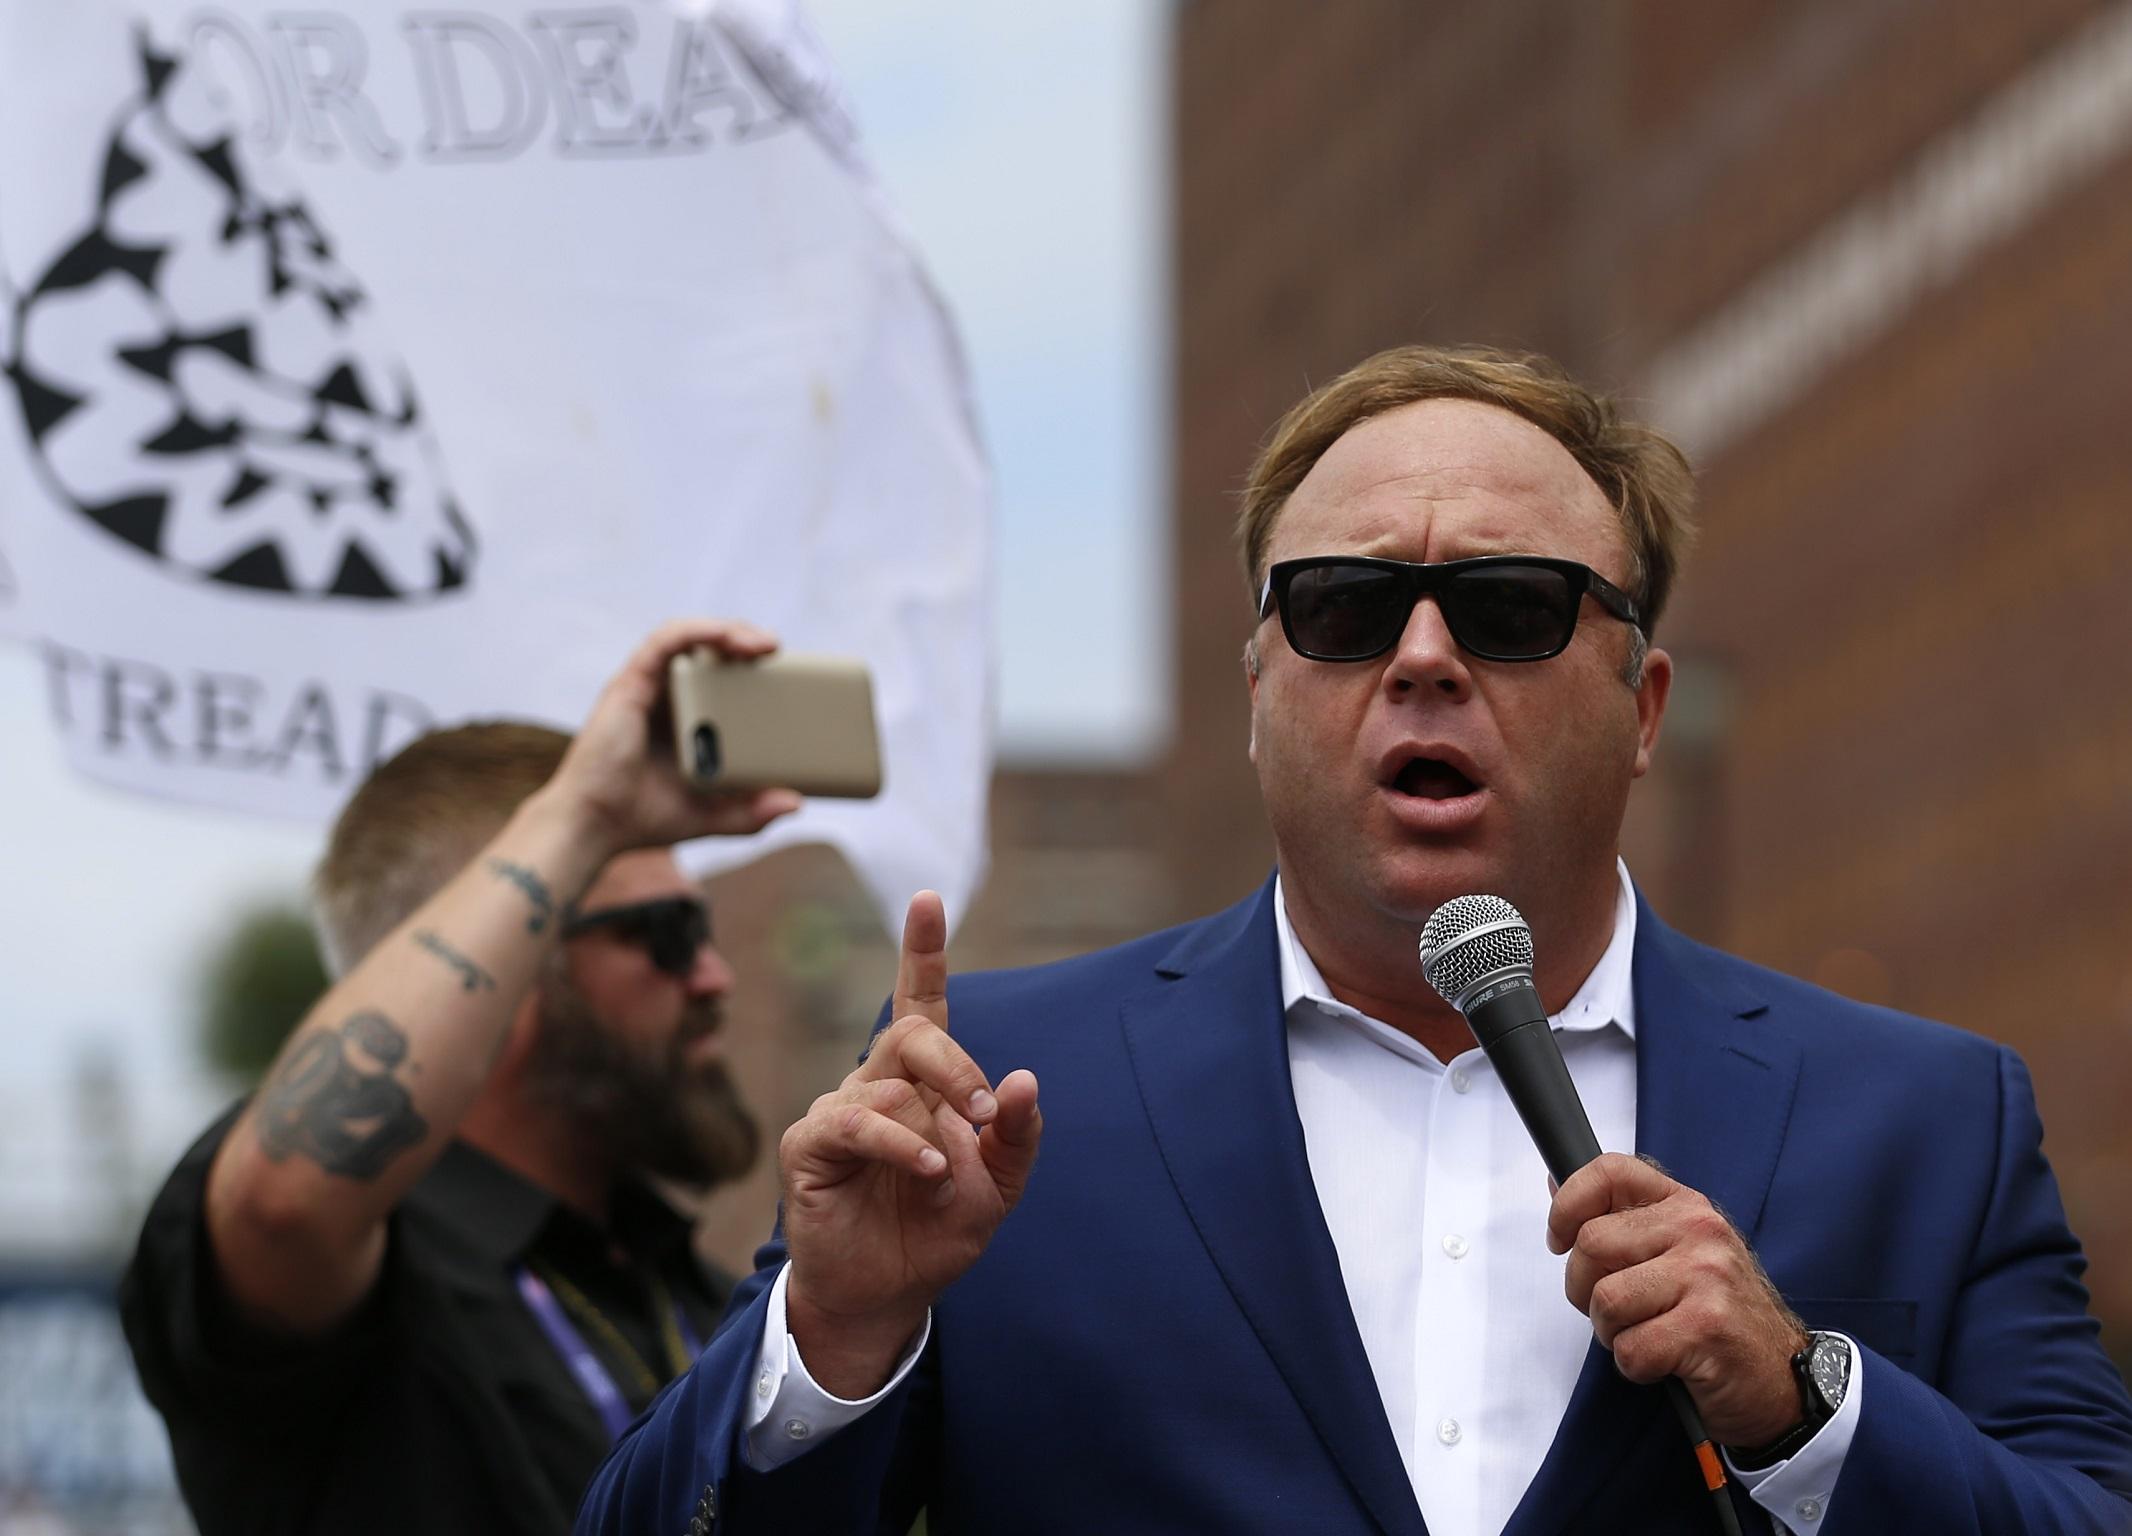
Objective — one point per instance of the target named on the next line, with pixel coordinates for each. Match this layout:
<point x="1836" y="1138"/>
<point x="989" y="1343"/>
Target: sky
<point x="1022" y="147"/>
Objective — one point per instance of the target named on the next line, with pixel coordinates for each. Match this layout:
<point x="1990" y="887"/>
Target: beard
<point x="653" y="1110"/>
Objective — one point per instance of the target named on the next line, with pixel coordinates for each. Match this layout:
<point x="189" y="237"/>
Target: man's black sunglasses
<point x="672" y="929"/>
<point x="1499" y="607"/>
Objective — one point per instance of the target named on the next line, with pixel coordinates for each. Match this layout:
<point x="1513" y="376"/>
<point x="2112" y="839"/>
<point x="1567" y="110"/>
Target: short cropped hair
<point x="1645" y="478"/>
<point x="417" y="821"/>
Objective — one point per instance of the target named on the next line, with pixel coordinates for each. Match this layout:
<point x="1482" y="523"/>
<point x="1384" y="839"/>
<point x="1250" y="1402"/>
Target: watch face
<point x="1830" y="1366"/>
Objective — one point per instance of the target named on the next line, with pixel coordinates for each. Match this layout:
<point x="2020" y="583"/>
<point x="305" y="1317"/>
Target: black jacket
<point x="441" y="1405"/>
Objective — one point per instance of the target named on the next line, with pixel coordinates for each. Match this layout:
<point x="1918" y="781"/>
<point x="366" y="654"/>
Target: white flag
<point x="372" y="366"/>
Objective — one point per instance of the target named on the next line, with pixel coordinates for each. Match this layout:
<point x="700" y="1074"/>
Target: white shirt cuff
<point x="787" y="1413"/>
<point x="1797" y="1491"/>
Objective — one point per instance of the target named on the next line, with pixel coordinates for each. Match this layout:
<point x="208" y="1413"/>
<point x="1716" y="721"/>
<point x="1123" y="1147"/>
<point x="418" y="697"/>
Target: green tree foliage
<point x="257" y="984"/>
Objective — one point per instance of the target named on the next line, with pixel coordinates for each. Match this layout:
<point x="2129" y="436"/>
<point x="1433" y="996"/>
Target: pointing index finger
<point x="922" y="966"/>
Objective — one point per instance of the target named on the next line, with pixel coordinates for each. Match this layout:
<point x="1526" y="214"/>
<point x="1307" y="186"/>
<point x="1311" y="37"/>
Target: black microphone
<point x="1477" y="953"/>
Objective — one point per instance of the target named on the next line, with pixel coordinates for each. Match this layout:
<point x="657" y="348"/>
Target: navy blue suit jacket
<point x="1158" y="1338"/>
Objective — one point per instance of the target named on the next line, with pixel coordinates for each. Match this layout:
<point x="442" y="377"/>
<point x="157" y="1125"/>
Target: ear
<point x="1651" y="696"/>
<point x="1251" y="686"/>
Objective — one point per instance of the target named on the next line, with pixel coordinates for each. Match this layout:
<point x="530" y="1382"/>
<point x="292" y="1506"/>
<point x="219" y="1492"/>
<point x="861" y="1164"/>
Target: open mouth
<point x="1429" y="778"/>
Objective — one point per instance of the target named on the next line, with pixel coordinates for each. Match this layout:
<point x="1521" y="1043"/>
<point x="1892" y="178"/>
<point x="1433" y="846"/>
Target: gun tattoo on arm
<point x="472" y="978"/>
<point x="536" y="891"/>
<point x="335" y="1099"/>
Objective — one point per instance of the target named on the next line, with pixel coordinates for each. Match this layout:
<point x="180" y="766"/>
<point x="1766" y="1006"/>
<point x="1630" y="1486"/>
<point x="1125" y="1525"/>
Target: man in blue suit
<point x="1289" y="1263"/>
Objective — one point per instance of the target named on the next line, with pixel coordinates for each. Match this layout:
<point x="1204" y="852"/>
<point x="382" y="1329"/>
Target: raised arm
<point x="374" y="1082"/>
<point x="890" y="1190"/>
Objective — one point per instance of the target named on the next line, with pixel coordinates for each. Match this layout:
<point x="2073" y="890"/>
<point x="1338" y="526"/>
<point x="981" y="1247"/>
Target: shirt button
<point x="1456" y="1246"/>
<point x="1461" y="1081"/>
<point x="764" y="1385"/>
<point x="1809" y="1509"/>
<point x="798" y="1429"/>
<point x="1448" y="1431"/>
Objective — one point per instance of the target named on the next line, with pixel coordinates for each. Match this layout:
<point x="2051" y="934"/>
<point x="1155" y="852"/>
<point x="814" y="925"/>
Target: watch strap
<point x="1779" y="1450"/>
<point x="1815" y="1410"/>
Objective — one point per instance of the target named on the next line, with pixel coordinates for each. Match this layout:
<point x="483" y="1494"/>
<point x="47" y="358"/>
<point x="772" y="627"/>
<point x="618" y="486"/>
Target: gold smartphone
<point x="787" y="721"/>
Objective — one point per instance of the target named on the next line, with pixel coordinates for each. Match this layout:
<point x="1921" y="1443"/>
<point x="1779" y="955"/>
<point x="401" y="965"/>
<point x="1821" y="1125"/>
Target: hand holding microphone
<point x="1671" y="1288"/>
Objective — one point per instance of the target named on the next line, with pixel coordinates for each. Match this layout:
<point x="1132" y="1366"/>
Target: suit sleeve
<point x="2029" y="1430"/>
<point x="683" y="1466"/>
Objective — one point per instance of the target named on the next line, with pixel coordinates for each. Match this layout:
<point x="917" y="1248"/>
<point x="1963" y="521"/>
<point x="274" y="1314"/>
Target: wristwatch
<point x="1823" y="1372"/>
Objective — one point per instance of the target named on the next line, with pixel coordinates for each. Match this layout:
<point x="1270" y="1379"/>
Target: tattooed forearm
<point x="536" y="891"/>
<point x="335" y="1100"/>
<point x="472" y="978"/>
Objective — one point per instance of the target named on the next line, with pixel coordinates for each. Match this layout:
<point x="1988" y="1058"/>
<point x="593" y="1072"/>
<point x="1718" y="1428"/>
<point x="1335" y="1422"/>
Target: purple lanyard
<point x="592" y="1376"/>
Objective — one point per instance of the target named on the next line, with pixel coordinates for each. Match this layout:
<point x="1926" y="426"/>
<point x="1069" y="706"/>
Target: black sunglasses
<point x="1499" y="607"/>
<point x="673" y="929"/>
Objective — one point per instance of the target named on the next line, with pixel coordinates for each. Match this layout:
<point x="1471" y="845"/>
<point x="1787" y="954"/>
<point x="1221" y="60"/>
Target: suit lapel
<point x="1713" y="1096"/>
<point x="1209" y="1052"/>
<point x="1713" y="1100"/>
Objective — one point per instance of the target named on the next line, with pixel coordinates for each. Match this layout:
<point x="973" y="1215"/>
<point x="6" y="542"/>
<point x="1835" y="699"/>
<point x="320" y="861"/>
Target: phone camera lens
<point x="708" y="760"/>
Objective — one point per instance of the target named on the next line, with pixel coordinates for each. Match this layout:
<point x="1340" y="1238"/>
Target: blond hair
<point x="1644" y="477"/>
<point x="417" y="821"/>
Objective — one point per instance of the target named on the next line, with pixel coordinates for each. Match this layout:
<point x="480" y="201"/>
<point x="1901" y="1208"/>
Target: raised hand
<point x="620" y="772"/>
<point x="895" y="1182"/>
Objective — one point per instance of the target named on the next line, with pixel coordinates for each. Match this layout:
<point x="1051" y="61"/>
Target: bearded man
<point x="420" y="1281"/>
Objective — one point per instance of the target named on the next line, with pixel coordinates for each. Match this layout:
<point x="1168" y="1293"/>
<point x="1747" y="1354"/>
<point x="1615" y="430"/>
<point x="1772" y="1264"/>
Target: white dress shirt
<point x="1437" y="1205"/>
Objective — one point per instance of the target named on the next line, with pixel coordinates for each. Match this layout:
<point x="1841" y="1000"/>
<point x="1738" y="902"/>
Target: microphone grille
<point x="1469" y="937"/>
